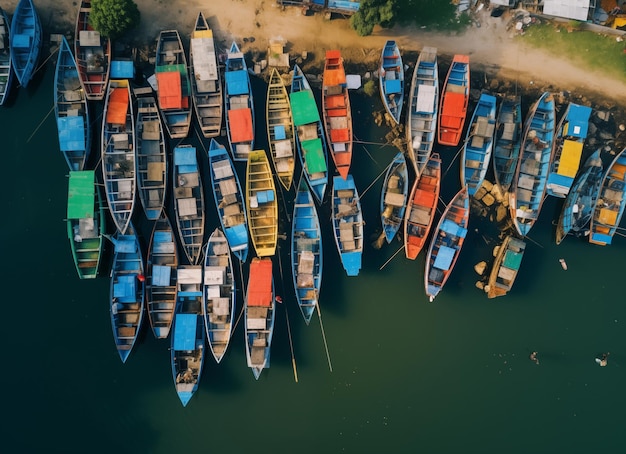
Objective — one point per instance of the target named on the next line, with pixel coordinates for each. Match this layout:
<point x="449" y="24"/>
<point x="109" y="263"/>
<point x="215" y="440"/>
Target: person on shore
<point x="533" y="357"/>
<point x="603" y="360"/>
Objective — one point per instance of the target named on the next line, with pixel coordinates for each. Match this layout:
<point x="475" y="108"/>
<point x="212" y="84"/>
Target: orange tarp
<point x="339" y="135"/>
<point x="260" y="283"/>
<point x="424" y="198"/>
<point x="240" y="125"/>
<point x="337" y="112"/>
<point x="334" y="77"/>
<point x="118" y="105"/>
<point x="335" y="101"/>
<point x="453" y="105"/>
<point x="170" y="90"/>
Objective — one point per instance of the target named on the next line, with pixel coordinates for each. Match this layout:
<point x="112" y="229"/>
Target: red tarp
<point x="339" y="135"/>
<point x="118" y="106"/>
<point x="453" y="110"/>
<point x="423" y="198"/>
<point x="334" y="77"/>
<point x="170" y="90"/>
<point x="260" y="283"/>
<point x="240" y="125"/>
<point x="335" y="101"/>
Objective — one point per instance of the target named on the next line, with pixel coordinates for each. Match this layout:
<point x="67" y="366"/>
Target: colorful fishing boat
<point x="478" y="144"/>
<point x="126" y="290"/>
<point x="262" y="205"/>
<point x="423" y="107"/>
<point x="336" y="112"/>
<point x="188" y="201"/>
<point x="529" y="184"/>
<point x="306" y="251"/>
<point x="173" y="86"/>
<point x="578" y="206"/>
<point x="161" y="277"/>
<point x="506" y="265"/>
<point x="118" y="153"/>
<point x="86" y="222"/>
<point x="570" y="136"/>
<point x="309" y="131"/>
<point x="219" y="294"/>
<point x="6" y="66"/>
<point x="391" y="80"/>
<point x="347" y="219"/>
<point x="259" y="315"/>
<point x="445" y="246"/>
<point x="454" y="100"/>
<point x="187" y="341"/>
<point x="206" y="85"/>
<point x="422" y="207"/>
<point x="507" y="141"/>
<point x="71" y="110"/>
<point x="25" y="41"/>
<point x="609" y="205"/>
<point x="239" y="105"/>
<point x="151" y="158"/>
<point x="280" y="129"/>
<point x="93" y="55"/>
<point x="393" y="196"/>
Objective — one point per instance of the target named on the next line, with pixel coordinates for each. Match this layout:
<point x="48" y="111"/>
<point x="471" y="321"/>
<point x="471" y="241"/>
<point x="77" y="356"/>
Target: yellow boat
<point x="280" y="129"/>
<point x="262" y="206"/>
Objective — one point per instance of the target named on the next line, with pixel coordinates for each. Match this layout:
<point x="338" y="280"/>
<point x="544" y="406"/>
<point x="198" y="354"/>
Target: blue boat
<point x="507" y="141"/>
<point x="445" y="246"/>
<point x="229" y="200"/>
<point x="25" y="41"/>
<point x="529" y="184"/>
<point x="571" y="133"/>
<point x="578" y="206"/>
<point x="347" y="220"/>
<point x="306" y="251"/>
<point x="609" y="205"/>
<point x="126" y="290"/>
<point x="259" y="315"/>
<point x="310" y="137"/>
<point x="391" y="80"/>
<point x="393" y="196"/>
<point x="71" y="110"/>
<point x="187" y="340"/>
<point x="239" y="105"/>
<point x="478" y="144"/>
<point x="6" y="66"/>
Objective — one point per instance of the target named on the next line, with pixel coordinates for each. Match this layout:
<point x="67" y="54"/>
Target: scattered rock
<point x="480" y="267"/>
<point x="488" y="200"/>
<point x="480" y="285"/>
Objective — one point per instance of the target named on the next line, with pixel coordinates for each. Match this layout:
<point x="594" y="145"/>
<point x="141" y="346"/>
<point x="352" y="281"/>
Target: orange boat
<point x="336" y="110"/>
<point x="454" y="99"/>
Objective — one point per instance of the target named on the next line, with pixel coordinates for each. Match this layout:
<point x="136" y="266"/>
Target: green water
<point x="407" y="376"/>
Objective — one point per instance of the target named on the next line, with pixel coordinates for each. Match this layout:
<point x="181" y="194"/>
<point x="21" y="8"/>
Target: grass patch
<point x="588" y="49"/>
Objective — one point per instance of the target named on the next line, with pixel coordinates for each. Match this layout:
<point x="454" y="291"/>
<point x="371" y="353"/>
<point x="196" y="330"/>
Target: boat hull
<point x="347" y="219"/>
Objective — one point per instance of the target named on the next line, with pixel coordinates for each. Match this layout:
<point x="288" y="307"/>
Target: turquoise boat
<point x="347" y="219"/>
<point x="239" y="105"/>
<point x="391" y="80"/>
<point x="505" y="267"/>
<point x="393" y="197"/>
<point x="6" y="66"/>
<point x="25" y="41"/>
<point x="507" y="141"/>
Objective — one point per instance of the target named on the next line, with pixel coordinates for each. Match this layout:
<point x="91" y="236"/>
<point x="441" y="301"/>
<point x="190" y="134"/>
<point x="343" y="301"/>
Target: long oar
<point x="391" y="258"/>
<point x="319" y="315"/>
<point x="293" y="356"/>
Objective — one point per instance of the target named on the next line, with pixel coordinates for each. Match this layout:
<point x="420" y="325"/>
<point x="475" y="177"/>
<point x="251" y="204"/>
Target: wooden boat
<point x="453" y="102"/>
<point x="570" y="136"/>
<point x="609" y="205"/>
<point x="347" y="219"/>
<point x="71" y="110"/>
<point x="229" y="200"/>
<point x="127" y="290"/>
<point x="508" y="258"/>
<point x="423" y="107"/>
<point x="174" y="88"/>
<point x="507" y="141"/>
<point x="422" y="207"/>
<point x="262" y="205"/>
<point x="187" y="340"/>
<point x="151" y="158"/>
<point x="239" y="105"/>
<point x="25" y="40"/>
<point x="86" y="222"/>
<point x="93" y="55"/>
<point x="393" y="196"/>
<point x="206" y="84"/>
<point x="188" y="201"/>
<point x="529" y="183"/>
<point x="310" y="137"/>
<point x="219" y="294"/>
<point x="578" y="206"/>
<point x="391" y="80"/>
<point x="306" y="251"/>
<point x="161" y="277"/>
<point x="336" y="112"/>
<point x="478" y="144"/>
<point x="280" y="129"/>
<point x="445" y="246"/>
<point x="6" y="66"/>
<point x="118" y="153"/>
<point x="259" y="315"/>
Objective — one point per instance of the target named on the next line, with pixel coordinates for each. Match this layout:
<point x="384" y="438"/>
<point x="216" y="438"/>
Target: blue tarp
<point x="351" y="262"/>
<point x="122" y="69"/>
<point x="185" y="156"/>
<point x="237" y="82"/>
<point x="21" y="41"/>
<point x="161" y="275"/>
<point x="124" y="287"/>
<point x="185" y="332"/>
<point x="237" y="235"/>
<point x="125" y="245"/>
<point x="162" y="237"/>
<point x="453" y="229"/>
<point x="392" y="86"/>
<point x="265" y="196"/>
<point x="71" y="133"/>
<point x="344" y="5"/>
<point x="444" y="258"/>
<point x="279" y="132"/>
<point x="578" y="117"/>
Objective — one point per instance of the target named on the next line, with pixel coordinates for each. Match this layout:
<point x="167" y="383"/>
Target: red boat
<point x="454" y="99"/>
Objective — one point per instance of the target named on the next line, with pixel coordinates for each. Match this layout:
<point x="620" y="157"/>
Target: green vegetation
<point x="370" y="88"/>
<point x="113" y="18"/>
<point x="371" y="13"/>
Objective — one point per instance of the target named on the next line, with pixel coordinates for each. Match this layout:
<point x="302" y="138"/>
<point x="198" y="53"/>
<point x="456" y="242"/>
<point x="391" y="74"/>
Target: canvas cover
<point x="426" y="99"/>
<point x="570" y="158"/>
<point x="240" y="125"/>
<point x="117" y="106"/>
<point x="314" y="156"/>
<point x="260" y="283"/>
<point x="444" y="258"/>
<point x="185" y="332"/>
<point x="161" y="275"/>
<point x="237" y="82"/>
<point x="334" y="77"/>
<point x="578" y="121"/>
<point x="451" y="228"/>
<point x="512" y="259"/>
<point x="204" y="60"/>
<point x="304" y="108"/>
<point x="71" y="133"/>
<point x="185" y="156"/>
<point x="170" y="90"/>
<point x="81" y="195"/>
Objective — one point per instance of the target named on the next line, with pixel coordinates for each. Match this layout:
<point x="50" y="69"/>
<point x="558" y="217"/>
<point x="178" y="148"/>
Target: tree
<point x="113" y="18"/>
<point x="371" y="13"/>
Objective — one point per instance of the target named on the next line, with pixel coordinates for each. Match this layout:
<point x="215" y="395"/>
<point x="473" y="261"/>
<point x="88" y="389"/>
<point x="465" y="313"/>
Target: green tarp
<point x="81" y="195"/>
<point x="313" y="156"/>
<point x="512" y="260"/>
<point x="303" y="108"/>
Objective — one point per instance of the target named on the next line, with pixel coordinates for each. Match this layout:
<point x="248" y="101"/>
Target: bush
<point x="370" y="88"/>
<point x="113" y="18"/>
<point x="371" y="13"/>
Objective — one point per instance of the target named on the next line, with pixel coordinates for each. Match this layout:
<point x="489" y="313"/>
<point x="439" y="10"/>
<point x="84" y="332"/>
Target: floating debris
<point x="563" y="264"/>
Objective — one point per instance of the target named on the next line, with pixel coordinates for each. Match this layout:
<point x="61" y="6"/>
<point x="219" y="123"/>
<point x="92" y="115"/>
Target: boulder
<point x="488" y="200"/>
<point x="480" y="267"/>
